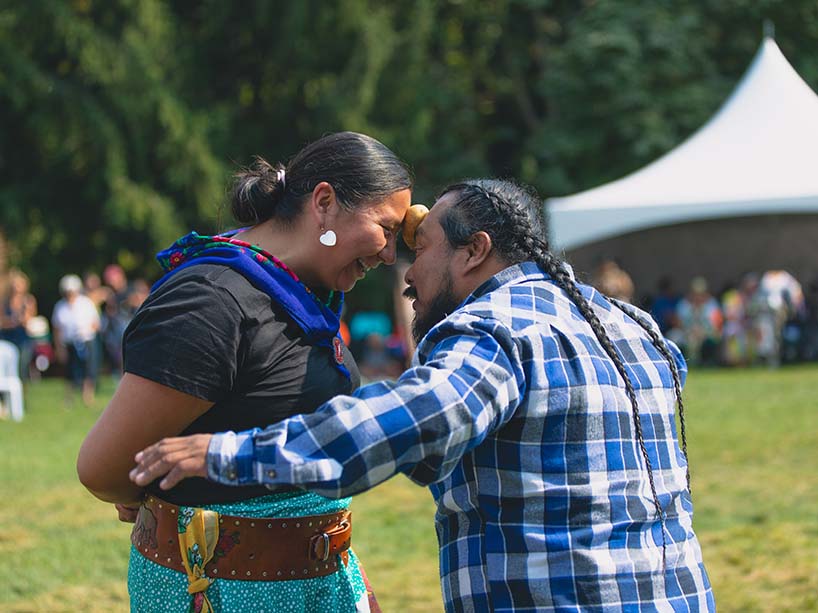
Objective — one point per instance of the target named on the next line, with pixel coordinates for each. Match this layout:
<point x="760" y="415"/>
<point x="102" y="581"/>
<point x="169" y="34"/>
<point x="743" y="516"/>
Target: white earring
<point x="328" y="238"/>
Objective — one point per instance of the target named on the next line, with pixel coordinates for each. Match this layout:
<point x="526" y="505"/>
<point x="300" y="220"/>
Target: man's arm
<point x="421" y="425"/>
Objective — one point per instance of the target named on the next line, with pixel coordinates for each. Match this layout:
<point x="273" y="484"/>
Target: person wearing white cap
<point x="75" y="323"/>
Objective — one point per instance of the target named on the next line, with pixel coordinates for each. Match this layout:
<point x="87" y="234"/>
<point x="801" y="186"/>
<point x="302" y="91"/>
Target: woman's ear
<point x="477" y="251"/>
<point x="323" y="204"/>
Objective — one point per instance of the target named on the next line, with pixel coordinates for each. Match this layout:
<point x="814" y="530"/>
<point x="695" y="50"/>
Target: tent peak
<point x="768" y="29"/>
<point x="754" y="156"/>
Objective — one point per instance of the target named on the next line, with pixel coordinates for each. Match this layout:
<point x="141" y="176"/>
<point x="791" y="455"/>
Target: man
<point x="75" y="323"/>
<point x="539" y="414"/>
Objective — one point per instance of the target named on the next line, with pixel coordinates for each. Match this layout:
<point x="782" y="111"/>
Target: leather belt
<point x="250" y="549"/>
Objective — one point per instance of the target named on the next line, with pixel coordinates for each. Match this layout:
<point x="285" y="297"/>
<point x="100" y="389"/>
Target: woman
<point x="242" y="332"/>
<point x="19" y="306"/>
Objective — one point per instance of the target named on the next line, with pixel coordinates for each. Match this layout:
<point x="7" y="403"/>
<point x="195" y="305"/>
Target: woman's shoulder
<point x="206" y="278"/>
<point x="211" y="285"/>
<point x="206" y="273"/>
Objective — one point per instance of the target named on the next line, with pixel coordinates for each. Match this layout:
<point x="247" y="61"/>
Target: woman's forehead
<point x="393" y="206"/>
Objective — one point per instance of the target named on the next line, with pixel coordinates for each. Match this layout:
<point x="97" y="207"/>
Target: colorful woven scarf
<point x="320" y="322"/>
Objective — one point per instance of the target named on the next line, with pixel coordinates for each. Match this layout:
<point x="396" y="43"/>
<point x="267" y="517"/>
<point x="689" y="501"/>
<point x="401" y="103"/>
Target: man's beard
<point x="444" y="303"/>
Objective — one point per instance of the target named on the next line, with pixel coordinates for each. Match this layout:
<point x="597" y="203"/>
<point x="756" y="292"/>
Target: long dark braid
<point x="514" y="223"/>
<point x="558" y="272"/>
<point x="661" y="346"/>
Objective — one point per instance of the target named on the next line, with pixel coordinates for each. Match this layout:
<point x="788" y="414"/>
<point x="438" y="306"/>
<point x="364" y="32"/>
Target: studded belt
<point x="250" y="549"/>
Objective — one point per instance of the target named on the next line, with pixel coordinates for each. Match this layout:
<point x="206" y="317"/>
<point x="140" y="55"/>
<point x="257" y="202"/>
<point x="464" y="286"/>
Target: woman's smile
<point x="363" y="268"/>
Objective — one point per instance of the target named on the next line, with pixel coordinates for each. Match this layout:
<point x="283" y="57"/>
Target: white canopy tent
<point x="756" y="156"/>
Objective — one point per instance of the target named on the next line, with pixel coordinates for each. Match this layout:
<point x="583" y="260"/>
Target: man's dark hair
<point x="512" y="216"/>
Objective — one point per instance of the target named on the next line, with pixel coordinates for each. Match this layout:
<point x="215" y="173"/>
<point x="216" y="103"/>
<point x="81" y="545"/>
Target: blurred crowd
<point x="83" y="335"/>
<point x="380" y="346"/>
<point x="765" y="318"/>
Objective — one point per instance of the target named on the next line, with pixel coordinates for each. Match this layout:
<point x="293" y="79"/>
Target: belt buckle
<point x="315" y="542"/>
<point x="325" y="537"/>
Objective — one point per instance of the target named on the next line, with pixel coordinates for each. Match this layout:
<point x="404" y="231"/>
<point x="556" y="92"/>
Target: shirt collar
<point x="513" y="275"/>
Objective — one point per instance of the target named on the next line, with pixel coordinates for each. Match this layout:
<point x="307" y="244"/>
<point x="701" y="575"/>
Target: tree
<point x="122" y="120"/>
<point x="100" y="159"/>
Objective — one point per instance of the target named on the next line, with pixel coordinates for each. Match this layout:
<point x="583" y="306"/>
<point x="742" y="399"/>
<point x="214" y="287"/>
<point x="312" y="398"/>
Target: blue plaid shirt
<point x="518" y="422"/>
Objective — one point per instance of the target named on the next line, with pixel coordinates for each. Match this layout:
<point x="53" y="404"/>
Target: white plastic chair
<point x="10" y="383"/>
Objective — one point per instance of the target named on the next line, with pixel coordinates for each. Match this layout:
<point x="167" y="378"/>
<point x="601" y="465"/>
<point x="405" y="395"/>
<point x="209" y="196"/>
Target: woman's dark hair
<point x="359" y="168"/>
<point x="512" y="216"/>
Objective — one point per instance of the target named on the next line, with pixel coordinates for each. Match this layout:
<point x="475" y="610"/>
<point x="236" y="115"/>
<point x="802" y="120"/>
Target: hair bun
<point x="257" y="191"/>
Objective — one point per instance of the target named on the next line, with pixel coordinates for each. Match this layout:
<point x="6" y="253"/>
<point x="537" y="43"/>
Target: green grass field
<point x="753" y="441"/>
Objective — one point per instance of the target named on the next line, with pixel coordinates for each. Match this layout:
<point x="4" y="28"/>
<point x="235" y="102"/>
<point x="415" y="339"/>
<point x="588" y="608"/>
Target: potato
<point x="415" y="214"/>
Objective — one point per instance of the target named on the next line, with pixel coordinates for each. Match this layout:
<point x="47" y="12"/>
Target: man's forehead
<point x="432" y="220"/>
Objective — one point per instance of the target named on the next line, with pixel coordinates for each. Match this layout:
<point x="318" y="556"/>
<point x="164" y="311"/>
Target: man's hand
<point x="176" y="458"/>
<point x="127" y="512"/>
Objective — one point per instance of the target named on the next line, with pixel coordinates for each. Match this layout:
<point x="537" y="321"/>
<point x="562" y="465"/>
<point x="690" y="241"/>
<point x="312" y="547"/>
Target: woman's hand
<point x="177" y="458"/>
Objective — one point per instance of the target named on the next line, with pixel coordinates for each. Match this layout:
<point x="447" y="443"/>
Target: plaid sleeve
<point x="467" y="384"/>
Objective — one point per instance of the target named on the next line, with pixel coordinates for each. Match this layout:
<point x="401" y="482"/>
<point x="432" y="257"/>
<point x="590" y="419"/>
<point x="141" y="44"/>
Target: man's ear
<point x="477" y="251"/>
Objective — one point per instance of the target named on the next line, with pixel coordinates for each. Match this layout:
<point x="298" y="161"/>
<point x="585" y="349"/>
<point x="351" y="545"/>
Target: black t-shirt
<point x="208" y="332"/>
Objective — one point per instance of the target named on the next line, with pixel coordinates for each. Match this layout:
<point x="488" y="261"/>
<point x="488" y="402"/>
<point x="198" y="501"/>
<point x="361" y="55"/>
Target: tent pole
<point x="768" y="29"/>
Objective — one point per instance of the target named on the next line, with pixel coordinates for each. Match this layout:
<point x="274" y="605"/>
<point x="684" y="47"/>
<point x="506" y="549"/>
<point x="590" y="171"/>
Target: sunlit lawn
<point x="753" y="439"/>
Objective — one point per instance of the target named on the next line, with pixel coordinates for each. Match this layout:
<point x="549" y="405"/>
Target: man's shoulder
<point x="525" y="298"/>
<point x="86" y="302"/>
<point x="59" y="307"/>
<point x="530" y="300"/>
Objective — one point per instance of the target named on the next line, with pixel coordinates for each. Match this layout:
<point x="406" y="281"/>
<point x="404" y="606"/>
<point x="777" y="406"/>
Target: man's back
<point x="553" y="510"/>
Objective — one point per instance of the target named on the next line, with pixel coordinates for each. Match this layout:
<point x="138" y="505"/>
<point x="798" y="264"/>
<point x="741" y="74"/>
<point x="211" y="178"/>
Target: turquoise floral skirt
<point x="155" y="588"/>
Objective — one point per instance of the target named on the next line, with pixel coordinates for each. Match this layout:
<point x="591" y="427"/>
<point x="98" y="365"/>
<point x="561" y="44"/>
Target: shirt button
<point x="271" y="473"/>
<point x="231" y="475"/>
